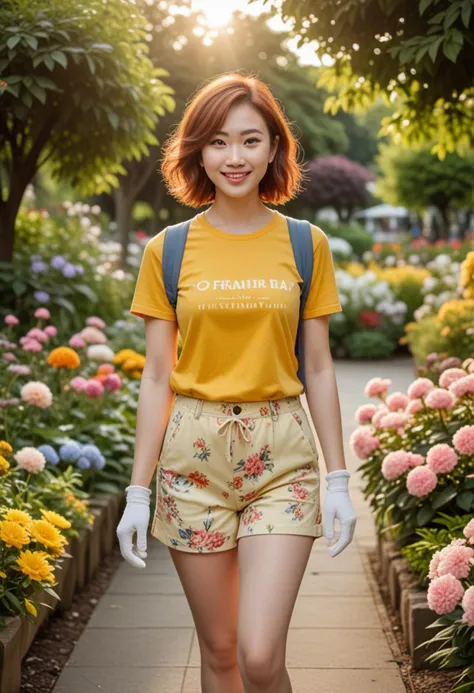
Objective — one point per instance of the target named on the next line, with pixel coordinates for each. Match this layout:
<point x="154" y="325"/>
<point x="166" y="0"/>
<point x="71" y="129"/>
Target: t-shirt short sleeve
<point x="323" y="298"/>
<point x="150" y="295"/>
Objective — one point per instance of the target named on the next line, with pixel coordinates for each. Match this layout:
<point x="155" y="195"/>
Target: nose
<point x="235" y="156"/>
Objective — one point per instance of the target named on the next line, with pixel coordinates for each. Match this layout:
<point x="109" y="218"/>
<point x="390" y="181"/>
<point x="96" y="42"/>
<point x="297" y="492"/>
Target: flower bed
<point x="417" y="452"/>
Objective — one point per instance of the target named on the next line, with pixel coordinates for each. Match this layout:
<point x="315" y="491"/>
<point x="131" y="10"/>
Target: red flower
<point x="440" y="243"/>
<point x="141" y="234"/>
<point x="455" y="243"/>
<point x="370" y="318"/>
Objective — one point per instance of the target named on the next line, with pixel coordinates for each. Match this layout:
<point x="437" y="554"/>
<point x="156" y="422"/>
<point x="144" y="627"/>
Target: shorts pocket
<point x="172" y="429"/>
<point x="304" y="428"/>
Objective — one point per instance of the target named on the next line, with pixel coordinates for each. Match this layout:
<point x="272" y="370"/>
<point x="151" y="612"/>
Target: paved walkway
<point x="141" y="636"/>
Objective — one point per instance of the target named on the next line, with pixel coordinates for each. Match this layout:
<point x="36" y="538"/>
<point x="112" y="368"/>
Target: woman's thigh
<point x="211" y="584"/>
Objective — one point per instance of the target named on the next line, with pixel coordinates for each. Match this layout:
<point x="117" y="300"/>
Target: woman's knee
<point x="260" y="665"/>
<point x="219" y="654"/>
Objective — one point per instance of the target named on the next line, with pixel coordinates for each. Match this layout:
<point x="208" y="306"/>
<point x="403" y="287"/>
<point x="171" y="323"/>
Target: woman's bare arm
<point x="155" y="400"/>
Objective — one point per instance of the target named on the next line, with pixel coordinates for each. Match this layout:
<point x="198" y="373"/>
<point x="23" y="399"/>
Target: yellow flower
<point x="445" y="331"/>
<point x="56" y="519"/>
<point x="2" y="574"/>
<point x="35" y="565"/>
<point x="91" y="519"/>
<point x="63" y="357"/>
<point x="13" y="534"/>
<point x="411" y="326"/>
<point x="135" y="374"/>
<point x="20" y="516"/>
<point x="134" y="363"/>
<point x="355" y="269"/>
<point x="30" y="607"/>
<point x="403" y="340"/>
<point x="122" y="355"/>
<point x="456" y="308"/>
<point x="5" y="448"/>
<point x="45" y="533"/>
<point x="4" y="465"/>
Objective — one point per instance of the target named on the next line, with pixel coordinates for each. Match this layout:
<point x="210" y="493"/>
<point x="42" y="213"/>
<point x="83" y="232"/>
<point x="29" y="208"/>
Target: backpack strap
<point x="173" y="251"/>
<point x="302" y="242"/>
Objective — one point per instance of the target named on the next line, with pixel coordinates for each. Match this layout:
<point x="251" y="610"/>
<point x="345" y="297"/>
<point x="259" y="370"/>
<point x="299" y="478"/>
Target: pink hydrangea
<point x="76" y="342"/>
<point x="19" y="369"/>
<point x="78" y="383"/>
<point x="108" y="368"/>
<point x="11" y="320"/>
<point x="421" y="481"/>
<point x="113" y="382"/>
<point x="415" y="459"/>
<point x="440" y="399"/>
<point x="377" y="387"/>
<point x="94" y="321"/>
<point x="32" y="345"/>
<point x="420" y="388"/>
<point x="444" y="594"/>
<point x="9" y="357"/>
<point x="463" y="440"/>
<point x="455" y="560"/>
<point x="395" y="464"/>
<point x="39" y="335"/>
<point x="365" y="413"/>
<point x="92" y="335"/>
<point x="468" y="606"/>
<point x="363" y="442"/>
<point x="50" y="330"/>
<point x="468" y="531"/>
<point x="378" y="416"/>
<point x="450" y="376"/>
<point x="394" y="420"/>
<point x="414" y="406"/>
<point x="463" y="386"/>
<point x="30" y="459"/>
<point x="434" y="563"/>
<point x="93" y="389"/>
<point x="441" y="458"/>
<point x="397" y="401"/>
<point x="37" y="394"/>
<point x="42" y="314"/>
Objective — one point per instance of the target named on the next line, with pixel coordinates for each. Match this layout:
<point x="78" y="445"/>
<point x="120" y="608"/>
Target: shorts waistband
<point x="246" y="410"/>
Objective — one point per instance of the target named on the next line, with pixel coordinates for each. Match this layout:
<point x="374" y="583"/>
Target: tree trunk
<point x="444" y="228"/>
<point x="123" y="213"/>
<point x="8" y="214"/>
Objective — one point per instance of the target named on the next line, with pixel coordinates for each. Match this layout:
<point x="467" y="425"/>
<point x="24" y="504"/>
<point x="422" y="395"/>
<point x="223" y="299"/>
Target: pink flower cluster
<point x="30" y="459"/>
<point x="397" y="401"/>
<point x="395" y="420"/>
<point x="440" y="399"/>
<point x="449" y="376"/>
<point x="363" y="442"/>
<point x="376" y="387"/>
<point x="421" y="481"/>
<point x="37" y="394"/>
<point x="441" y="458"/>
<point x="365" y="413"/>
<point x="398" y="462"/>
<point x="444" y="594"/>
<point x="463" y="440"/>
<point x="463" y="386"/>
<point x="420" y="388"/>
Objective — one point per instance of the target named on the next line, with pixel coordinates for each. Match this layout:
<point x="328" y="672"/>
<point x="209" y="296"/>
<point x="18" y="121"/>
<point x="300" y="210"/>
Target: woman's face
<point x="236" y="157"/>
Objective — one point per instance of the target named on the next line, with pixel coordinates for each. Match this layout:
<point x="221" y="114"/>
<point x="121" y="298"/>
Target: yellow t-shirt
<point x="237" y="309"/>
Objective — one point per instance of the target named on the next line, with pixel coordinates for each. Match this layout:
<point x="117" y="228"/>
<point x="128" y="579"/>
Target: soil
<point x="58" y="635"/>
<point x="415" y="680"/>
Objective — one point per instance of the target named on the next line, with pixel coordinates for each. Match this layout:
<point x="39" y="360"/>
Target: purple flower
<point x="83" y="463"/>
<point x="42" y="296"/>
<point x="69" y="271"/>
<point x="38" y="266"/>
<point x="57" y="262"/>
<point x="50" y="454"/>
<point x="70" y="452"/>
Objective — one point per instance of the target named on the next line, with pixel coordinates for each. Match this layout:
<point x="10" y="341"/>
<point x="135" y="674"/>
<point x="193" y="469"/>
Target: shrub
<point x="368" y="344"/>
<point x="359" y="239"/>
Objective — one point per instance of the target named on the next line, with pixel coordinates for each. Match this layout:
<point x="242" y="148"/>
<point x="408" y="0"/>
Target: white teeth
<point x="235" y="175"/>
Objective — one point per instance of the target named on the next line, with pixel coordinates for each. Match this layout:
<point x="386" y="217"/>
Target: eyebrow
<point x="243" y="132"/>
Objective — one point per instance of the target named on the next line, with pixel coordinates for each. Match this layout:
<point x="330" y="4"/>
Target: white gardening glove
<point x="135" y="518"/>
<point x="338" y="504"/>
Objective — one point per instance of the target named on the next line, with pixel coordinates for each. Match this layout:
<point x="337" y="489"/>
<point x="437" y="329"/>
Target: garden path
<point x="141" y="636"/>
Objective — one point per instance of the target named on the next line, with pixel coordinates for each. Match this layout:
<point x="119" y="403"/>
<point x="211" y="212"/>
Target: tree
<point x="416" y="53"/>
<point x="338" y="182"/>
<point x="418" y="179"/>
<point x="78" y="90"/>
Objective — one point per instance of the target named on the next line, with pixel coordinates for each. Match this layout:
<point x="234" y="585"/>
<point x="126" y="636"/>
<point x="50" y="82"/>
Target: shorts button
<point x="237" y="409"/>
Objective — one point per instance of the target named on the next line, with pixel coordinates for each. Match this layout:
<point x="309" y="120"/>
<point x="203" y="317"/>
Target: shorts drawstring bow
<point x="244" y="429"/>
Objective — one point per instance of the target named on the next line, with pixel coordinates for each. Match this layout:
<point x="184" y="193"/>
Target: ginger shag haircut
<point x="206" y="112"/>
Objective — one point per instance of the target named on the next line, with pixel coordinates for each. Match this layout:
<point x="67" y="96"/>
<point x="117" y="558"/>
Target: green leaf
<point x="32" y="42"/>
<point x="60" y="301"/>
<point x="39" y="92"/>
<point x="423" y="5"/>
<point x="19" y="287"/>
<point x="49" y="590"/>
<point x="49" y="62"/>
<point x="114" y="120"/>
<point x="466" y="13"/>
<point x="451" y="15"/>
<point x="424" y="515"/>
<point x="452" y="45"/>
<point x="103" y="47"/>
<point x="60" y="58"/>
<point x="444" y="496"/>
<point x="106" y="487"/>
<point x="86" y="291"/>
<point x="465" y="500"/>
<point x="15" y="602"/>
<point x="433" y="49"/>
<point x="12" y="41"/>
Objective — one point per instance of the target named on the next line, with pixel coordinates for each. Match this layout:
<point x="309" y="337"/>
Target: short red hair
<point x="187" y="181"/>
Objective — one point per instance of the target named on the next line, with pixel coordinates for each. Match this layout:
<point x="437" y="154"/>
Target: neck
<point x="237" y="212"/>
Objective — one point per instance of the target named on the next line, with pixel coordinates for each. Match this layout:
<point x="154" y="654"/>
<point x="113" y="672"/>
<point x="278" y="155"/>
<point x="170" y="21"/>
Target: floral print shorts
<point x="229" y="470"/>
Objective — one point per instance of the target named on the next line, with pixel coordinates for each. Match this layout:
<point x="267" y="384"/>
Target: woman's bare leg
<point x="211" y="584"/>
<point x="271" y="569"/>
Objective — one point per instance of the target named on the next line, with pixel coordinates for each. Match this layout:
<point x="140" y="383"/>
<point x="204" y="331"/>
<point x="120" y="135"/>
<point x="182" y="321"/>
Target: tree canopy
<point x="78" y="90"/>
<point x="416" y="54"/>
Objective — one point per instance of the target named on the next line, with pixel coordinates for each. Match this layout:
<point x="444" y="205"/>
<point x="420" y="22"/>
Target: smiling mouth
<point x="236" y="176"/>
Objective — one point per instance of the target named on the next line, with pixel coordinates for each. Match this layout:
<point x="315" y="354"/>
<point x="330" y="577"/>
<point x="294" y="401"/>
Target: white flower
<point x="421" y="312"/>
<point x="338" y="317"/>
<point x="442" y="260"/>
<point x="95" y="209"/>
<point x="430" y="299"/>
<point x="95" y="231"/>
<point x="134" y="248"/>
<point x="367" y="256"/>
<point x="85" y="222"/>
<point x="340" y="245"/>
<point x="414" y="259"/>
<point x="118" y="274"/>
<point x="429" y="283"/>
<point x="390" y="260"/>
<point x="86" y="208"/>
<point x="100" y="352"/>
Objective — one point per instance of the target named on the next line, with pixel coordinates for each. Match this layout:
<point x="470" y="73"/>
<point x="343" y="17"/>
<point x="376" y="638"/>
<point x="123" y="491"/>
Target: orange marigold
<point x="63" y="357"/>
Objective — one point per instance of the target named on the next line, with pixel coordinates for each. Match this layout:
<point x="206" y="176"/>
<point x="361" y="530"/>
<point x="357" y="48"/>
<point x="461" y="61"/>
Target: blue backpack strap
<point x="302" y="242"/>
<point x="173" y="251"/>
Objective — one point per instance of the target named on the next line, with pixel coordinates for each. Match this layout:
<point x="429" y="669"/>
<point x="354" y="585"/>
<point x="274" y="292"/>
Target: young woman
<point x="237" y="456"/>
